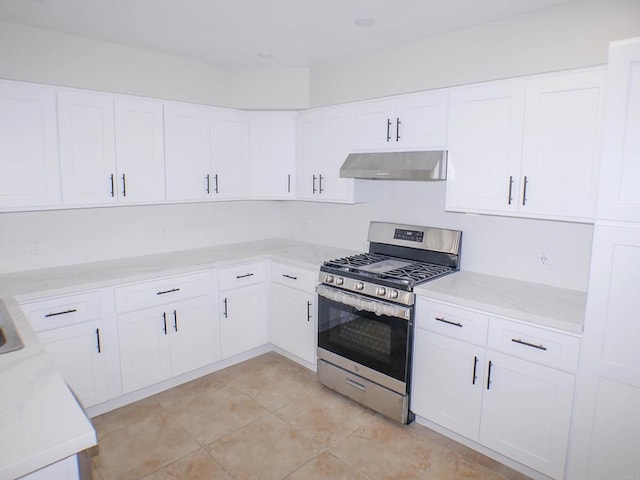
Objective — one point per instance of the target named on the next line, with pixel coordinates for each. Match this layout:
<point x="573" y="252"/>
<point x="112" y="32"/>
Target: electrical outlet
<point x="548" y="257"/>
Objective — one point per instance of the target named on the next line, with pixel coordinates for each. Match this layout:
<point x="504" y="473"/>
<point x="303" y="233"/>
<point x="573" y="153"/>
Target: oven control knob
<point x="359" y="286"/>
<point x="393" y="294"/>
<point x="339" y="280"/>
<point x="380" y="291"/>
<point x="328" y="279"/>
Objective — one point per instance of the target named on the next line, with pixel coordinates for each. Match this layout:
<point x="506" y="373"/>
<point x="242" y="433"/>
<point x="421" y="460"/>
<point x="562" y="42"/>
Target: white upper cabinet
<point x="527" y="147"/>
<point x="187" y="152"/>
<point x="87" y="148"/>
<point x="561" y="144"/>
<point x="28" y="147"/>
<point x="407" y="122"/>
<point x="272" y="144"/>
<point x="485" y="143"/>
<point x="230" y="160"/>
<point x="322" y="147"/>
<point x="619" y="194"/>
<point x="139" y="150"/>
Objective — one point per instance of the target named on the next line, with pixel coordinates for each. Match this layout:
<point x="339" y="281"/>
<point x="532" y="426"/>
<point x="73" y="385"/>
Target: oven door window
<point x="381" y="342"/>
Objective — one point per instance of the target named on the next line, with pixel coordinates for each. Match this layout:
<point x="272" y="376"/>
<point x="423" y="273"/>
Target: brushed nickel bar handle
<point x="444" y="320"/>
<point x="524" y="190"/>
<point x="398" y="122"/>
<point x="113" y="192"/>
<point x="124" y="185"/>
<point x="489" y="376"/>
<point x="60" y="313"/>
<point x="163" y="292"/>
<point x="313" y="190"/>
<point x="388" y="130"/>
<point x="320" y="190"/>
<point x="245" y="275"/>
<point x="510" y="197"/>
<point x="475" y="368"/>
<point x="285" y="275"/>
<point x="98" y="340"/>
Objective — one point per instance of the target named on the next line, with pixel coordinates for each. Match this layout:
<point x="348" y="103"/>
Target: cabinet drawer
<point x="136" y="296"/>
<point x="542" y="346"/>
<point x="454" y="322"/>
<point x="241" y="275"/>
<point x="56" y="312"/>
<point x="295" y="277"/>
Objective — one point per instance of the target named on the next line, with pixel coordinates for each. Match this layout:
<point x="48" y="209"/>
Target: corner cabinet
<point x="293" y="311"/>
<point x="272" y="151"/>
<point x="242" y="305"/>
<point x="527" y="147"/>
<point x="503" y="384"/>
<point x="29" y="170"/>
<point x="322" y="147"/>
<point x="78" y="332"/>
<point x="406" y="122"/>
<point x="166" y="327"/>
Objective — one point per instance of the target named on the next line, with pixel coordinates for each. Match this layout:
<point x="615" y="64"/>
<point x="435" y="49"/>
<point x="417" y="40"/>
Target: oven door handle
<point x="364" y="303"/>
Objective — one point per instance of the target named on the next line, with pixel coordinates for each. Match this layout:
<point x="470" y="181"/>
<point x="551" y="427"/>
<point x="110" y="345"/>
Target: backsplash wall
<point x="492" y="245"/>
<point x="33" y="240"/>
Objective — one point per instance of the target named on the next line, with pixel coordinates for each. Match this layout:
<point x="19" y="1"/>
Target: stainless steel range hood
<point x="425" y="166"/>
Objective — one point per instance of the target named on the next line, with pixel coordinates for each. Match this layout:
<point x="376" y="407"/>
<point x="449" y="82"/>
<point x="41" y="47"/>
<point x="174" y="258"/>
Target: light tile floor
<point x="268" y="418"/>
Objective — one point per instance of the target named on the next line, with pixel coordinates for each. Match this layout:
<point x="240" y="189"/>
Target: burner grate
<point x="416" y="272"/>
<point x="355" y="261"/>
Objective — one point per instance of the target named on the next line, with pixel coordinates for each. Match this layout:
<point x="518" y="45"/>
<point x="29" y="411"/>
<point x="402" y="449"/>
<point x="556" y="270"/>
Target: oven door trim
<point x="361" y="302"/>
<point x="381" y="379"/>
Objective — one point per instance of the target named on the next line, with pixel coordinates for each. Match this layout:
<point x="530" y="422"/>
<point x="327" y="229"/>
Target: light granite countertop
<point x="531" y="302"/>
<point x="41" y="422"/>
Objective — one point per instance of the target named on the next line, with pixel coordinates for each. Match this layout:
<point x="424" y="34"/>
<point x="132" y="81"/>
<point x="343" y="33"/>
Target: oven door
<point x="366" y="336"/>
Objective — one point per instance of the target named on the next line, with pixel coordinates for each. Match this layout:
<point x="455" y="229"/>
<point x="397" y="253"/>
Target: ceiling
<point x="255" y="33"/>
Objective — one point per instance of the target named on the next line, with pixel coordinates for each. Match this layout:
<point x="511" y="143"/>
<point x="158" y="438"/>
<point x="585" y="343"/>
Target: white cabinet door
<point x="144" y="341"/>
<point x="139" y="150"/>
<point x="194" y="334"/>
<point x="619" y="194"/>
<point x="29" y="165"/>
<point x="485" y="144"/>
<point x="87" y="147"/>
<point x="272" y="146"/>
<point x="526" y="412"/>
<point x="311" y="153"/>
<point x="606" y="417"/>
<point x="243" y="319"/>
<point x="561" y="144"/>
<point x="187" y="152"/>
<point x="78" y="352"/>
<point x="421" y="121"/>
<point x="373" y="128"/>
<point x="448" y="382"/>
<point x="230" y="158"/>
<point x="293" y="321"/>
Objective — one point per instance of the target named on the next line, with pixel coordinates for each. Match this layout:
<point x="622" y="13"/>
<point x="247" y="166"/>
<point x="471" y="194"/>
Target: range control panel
<point x="409" y="235"/>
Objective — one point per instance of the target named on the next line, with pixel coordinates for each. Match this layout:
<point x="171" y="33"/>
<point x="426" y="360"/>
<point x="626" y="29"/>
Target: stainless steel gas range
<point x="366" y="313"/>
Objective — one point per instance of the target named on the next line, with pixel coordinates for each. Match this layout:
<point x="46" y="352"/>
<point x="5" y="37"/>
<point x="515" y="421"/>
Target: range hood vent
<point x="425" y="166"/>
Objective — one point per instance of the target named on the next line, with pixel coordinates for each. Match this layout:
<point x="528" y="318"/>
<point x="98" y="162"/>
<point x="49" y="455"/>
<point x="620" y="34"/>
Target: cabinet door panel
<point x="526" y="412"/>
<point x="194" y="335"/>
<point x="561" y="145"/>
<point x="28" y="147"/>
<point x="619" y="195"/>
<point x="87" y="147"/>
<point x="485" y="142"/>
<point x="144" y="348"/>
<point x="243" y="321"/>
<point x="139" y="150"/>
<point x="311" y="153"/>
<point x="444" y="388"/>
<point x="230" y="157"/>
<point x="75" y="353"/>
<point x="423" y="120"/>
<point x="337" y="127"/>
<point x="374" y="129"/>
<point x="187" y="152"/>
<point x="294" y="321"/>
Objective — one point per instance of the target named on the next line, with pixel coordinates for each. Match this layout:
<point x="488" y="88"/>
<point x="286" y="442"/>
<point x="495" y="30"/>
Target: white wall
<point x="42" y="56"/>
<point x="32" y="240"/>
<point x="568" y="36"/>
<point x="493" y="245"/>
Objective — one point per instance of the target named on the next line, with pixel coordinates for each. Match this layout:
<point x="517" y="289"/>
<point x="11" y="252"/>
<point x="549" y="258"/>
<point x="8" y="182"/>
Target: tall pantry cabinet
<point x="606" y="418"/>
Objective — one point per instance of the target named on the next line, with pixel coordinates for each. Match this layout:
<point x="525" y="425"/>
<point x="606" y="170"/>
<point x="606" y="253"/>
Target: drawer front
<point x="546" y="347"/>
<point x="165" y="290"/>
<point x="294" y="277"/>
<point x="56" y="312"/>
<point x="242" y="275"/>
<point x="452" y="321"/>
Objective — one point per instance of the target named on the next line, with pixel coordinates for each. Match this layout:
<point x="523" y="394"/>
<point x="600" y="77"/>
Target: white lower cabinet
<point x="497" y="388"/>
<point x="243" y="308"/>
<point x="166" y="340"/>
<point x="78" y="332"/>
<point x="293" y="311"/>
